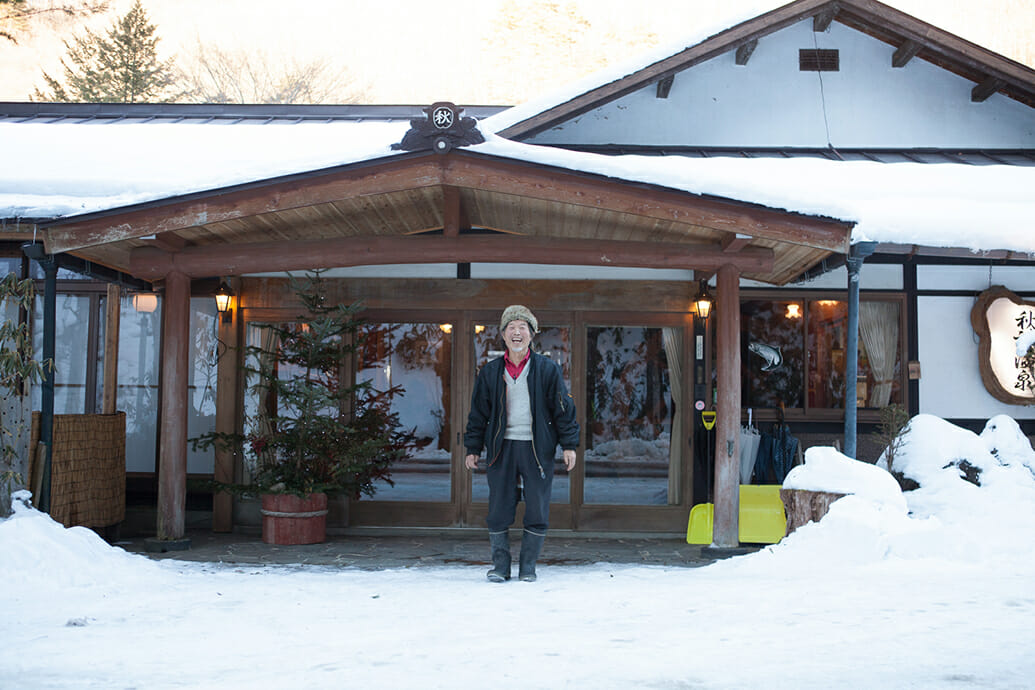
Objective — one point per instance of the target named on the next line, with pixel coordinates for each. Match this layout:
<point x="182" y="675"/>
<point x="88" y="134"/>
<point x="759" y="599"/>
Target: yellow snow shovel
<point x="761" y="517"/>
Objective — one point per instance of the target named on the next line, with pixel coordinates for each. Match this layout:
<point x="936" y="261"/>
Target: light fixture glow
<point x="145" y="302"/>
<point x="793" y="311"/>
<point x="703" y="301"/>
<point x="224" y="299"/>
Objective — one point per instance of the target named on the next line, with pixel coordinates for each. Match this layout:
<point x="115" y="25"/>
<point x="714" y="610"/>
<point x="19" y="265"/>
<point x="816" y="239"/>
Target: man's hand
<point x="569" y="460"/>
<point x="471" y="461"/>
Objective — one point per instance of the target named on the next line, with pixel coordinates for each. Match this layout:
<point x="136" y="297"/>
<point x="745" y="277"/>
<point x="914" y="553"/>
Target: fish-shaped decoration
<point x="770" y="354"/>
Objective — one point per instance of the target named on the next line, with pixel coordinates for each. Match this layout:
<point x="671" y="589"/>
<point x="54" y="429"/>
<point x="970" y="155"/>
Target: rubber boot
<point x="500" y="543"/>
<point x="531" y="545"/>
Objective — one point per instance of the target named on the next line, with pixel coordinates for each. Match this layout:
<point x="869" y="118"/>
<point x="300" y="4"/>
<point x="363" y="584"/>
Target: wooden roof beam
<point x="664" y="86"/>
<point x="222" y="260"/>
<point x="952" y="47"/>
<point x="821" y="22"/>
<point x="983" y="91"/>
<point x="734" y="242"/>
<point x="265" y="196"/>
<point x="905" y="52"/>
<point x="745" y="50"/>
<point x="454" y="218"/>
<point x="169" y="241"/>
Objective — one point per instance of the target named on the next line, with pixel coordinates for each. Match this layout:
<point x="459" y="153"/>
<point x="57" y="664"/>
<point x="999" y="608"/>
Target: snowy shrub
<point x="1008" y="443"/>
<point x="894" y="421"/>
<point x="948" y="453"/>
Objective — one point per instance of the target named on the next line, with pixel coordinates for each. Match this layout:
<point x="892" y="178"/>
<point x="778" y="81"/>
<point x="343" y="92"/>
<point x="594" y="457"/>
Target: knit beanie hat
<point x="516" y="311"/>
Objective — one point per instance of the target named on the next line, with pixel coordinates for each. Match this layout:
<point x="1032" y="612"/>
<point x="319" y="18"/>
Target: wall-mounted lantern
<point x="703" y="301"/>
<point x="224" y="300"/>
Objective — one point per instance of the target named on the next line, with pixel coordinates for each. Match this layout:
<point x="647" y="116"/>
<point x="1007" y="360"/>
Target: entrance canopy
<point x="460" y="206"/>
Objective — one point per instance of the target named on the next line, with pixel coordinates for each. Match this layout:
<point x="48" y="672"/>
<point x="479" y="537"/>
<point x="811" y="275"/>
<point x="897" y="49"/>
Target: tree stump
<point x="803" y="507"/>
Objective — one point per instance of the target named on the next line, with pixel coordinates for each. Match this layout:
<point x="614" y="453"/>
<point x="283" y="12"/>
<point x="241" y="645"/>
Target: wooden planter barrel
<point x="288" y="519"/>
<point x="803" y="507"/>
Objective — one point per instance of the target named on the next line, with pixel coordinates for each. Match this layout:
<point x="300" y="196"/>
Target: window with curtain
<point x="793" y="353"/>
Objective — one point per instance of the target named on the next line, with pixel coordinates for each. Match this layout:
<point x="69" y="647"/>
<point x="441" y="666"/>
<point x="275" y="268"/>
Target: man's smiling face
<point x="517" y="336"/>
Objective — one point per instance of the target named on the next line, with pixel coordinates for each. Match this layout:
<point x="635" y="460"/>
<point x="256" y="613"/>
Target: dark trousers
<point x="516" y="460"/>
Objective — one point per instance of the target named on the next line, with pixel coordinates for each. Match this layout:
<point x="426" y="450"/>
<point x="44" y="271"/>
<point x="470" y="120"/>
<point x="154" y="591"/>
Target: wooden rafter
<point x="905" y="52"/>
<point x="452" y="211"/>
<point x="891" y="26"/>
<point x="745" y="50"/>
<point x="945" y="49"/>
<point x="821" y="22"/>
<point x="983" y="91"/>
<point x="734" y="242"/>
<point x="707" y="49"/>
<point x="664" y="86"/>
<point x="197" y="262"/>
<point x="170" y="242"/>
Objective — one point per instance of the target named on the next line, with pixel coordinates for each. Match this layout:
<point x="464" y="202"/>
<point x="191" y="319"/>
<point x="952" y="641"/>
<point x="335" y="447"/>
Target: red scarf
<point x="515" y="369"/>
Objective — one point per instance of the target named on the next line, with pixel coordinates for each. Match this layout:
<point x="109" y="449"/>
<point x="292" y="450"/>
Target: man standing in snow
<point x="520" y="411"/>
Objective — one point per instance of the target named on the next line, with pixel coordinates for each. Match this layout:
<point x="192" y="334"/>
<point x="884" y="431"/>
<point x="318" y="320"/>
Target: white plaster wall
<point x="871" y="277"/>
<point x="769" y="102"/>
<point x="1019" y="279"/>
<point x="950" y="383"/>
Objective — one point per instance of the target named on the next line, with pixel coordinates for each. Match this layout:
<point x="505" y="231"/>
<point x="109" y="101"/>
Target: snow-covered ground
<point x="933" y="589"/>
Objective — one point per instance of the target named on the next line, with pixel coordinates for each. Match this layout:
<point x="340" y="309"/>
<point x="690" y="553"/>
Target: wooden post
<point x="172" y="448"/>
<point x="109" y="401"/>
<point x="725" y="533"/>
<point x="227" y="381"/>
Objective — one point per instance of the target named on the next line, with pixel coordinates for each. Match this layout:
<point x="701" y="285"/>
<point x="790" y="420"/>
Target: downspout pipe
<point x="35" y="251"/>
<point x="858" y="254"/>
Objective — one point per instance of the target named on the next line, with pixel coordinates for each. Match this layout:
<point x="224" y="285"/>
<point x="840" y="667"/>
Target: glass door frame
<point x="576" y="515"/>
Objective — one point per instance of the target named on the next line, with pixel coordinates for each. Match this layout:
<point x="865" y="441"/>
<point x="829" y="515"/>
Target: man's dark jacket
<point x="553" y="410"/>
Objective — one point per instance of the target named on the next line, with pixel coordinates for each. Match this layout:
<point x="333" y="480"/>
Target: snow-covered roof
<point x="66" y="169"/>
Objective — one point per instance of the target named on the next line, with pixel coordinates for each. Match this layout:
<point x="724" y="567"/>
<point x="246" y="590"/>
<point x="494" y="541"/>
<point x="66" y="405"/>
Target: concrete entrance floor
<point x="371" y="550"/>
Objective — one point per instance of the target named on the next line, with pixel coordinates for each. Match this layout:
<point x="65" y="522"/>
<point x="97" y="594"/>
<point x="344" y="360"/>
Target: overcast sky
<point x="415" y="51"/>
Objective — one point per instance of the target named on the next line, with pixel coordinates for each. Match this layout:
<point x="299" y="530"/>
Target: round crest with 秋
<point x="443" y="116"/>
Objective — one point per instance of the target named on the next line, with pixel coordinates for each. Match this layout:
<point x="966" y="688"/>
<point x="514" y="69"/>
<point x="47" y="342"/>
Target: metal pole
<point x="49" y="265"/>
<point x="858" y="254"/>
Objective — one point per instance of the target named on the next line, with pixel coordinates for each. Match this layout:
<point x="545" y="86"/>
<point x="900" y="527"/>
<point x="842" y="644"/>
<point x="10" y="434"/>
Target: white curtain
<point x="878" y="330"/>
<point x="266" y="338"/>
<point x="670" y="337"/>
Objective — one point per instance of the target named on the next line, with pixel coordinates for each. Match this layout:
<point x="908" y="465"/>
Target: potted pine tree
<point x="316" y="430"/>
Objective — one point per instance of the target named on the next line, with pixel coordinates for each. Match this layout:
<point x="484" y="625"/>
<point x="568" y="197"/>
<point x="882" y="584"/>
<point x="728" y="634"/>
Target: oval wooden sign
<point x="1000" y="317"/>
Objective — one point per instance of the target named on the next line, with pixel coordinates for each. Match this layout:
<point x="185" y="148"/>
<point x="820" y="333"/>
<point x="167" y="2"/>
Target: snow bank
<point x="936" y="453"/>
<point x="39" y="552"/>
<point x="826" y="469"/>
<point x="1007" y="443"/>
<point x="948" y="518"/>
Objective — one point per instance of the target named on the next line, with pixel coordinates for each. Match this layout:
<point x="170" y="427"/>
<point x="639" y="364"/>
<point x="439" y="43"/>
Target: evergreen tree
<point x="10" y="10"/>
<point x="16" y="16"/>
<point x="119" y="67"/>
